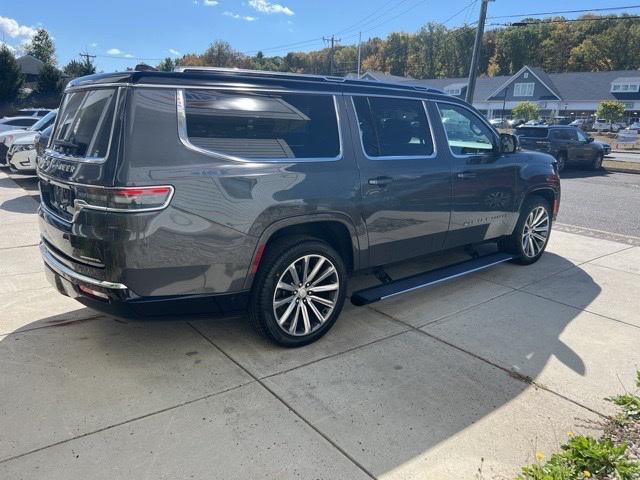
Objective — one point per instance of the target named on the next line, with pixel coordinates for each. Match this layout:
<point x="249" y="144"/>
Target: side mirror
<point x="508" y="143"/>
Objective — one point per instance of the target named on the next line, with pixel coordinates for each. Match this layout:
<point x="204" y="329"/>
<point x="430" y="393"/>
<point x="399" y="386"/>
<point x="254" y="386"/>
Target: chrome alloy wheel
<point x="306" y="295"/>
<point x="535" y="232"/>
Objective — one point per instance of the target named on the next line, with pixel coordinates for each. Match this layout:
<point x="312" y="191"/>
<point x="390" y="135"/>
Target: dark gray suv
<point x="218" y="191"/>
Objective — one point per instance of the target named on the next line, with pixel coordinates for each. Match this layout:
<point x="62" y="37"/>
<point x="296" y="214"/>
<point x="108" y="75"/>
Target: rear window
<point x="266" y="126"/>
<point x="85" y="121"/>
<point x="530" y="132"/>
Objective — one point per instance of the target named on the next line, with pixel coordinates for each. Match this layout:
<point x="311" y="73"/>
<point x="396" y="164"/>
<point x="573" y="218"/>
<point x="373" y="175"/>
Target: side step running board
<point x="426" y="279"/>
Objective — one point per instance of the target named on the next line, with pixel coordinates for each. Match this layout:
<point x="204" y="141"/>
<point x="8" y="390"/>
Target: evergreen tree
<point x="41" y="47"/>
<point x="49" y="81"/>
<point x="11" y="79"/>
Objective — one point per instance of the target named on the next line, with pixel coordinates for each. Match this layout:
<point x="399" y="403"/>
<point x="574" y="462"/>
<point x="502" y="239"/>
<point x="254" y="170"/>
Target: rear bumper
<point x="117" y="300"/>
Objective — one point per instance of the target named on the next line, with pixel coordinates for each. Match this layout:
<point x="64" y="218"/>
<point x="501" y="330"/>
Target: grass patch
<point x="615" y="456"/>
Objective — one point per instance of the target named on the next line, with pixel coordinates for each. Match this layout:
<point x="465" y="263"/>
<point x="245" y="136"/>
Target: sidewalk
<point x="481" y="372"/>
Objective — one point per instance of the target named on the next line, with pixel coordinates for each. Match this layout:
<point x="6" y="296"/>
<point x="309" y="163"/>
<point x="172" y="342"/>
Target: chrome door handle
<point x="380" y="181"/>
<point x="466" y="175"/>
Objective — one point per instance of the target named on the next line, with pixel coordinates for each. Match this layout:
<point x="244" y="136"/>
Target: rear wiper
<point x="65" y="144"/>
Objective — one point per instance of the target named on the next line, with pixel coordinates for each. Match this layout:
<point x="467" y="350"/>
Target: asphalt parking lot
<point x="480" y="373"/>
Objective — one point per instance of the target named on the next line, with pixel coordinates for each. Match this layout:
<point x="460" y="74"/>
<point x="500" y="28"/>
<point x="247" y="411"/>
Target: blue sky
<point x="124" y="32"/>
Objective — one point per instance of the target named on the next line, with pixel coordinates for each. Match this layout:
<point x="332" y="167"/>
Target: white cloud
<point x="267" y="7"/>
<point x="209" y="3"/>
<point x="13" y="29"/>
<point x="114" y="51"/>
<point x="239" y="17"/>
<point x="173" y="51"/>
<point x="93" y="44"/>
<point x="128" y="55"/>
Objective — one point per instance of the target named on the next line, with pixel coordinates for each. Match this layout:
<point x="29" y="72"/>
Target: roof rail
<point x="266" y="73"/>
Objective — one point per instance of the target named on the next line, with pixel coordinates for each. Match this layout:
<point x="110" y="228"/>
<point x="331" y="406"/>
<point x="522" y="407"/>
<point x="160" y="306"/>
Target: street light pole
<point x="475" y="59"/>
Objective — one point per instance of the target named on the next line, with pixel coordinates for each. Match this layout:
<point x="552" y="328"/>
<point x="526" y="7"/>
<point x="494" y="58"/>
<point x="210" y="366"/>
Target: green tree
<point x="41" y="47"/>
<point x="166" y="65"/>
<point x="76" y="68"/>
<point x="49" y="81"/>
<point x="11" y="79"/>
<point x="526" y="111"/>
<point x="611" y="110"/>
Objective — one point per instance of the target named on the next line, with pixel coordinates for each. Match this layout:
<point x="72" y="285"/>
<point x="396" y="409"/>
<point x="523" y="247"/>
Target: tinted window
<point x="22" y="122"/>
<point x="393" y="127"/>
<point x="564" y="134"/>
<point x="85" y="123"/>
<point x="263" y="126"/>
<point x="532" y="132"/>
<point x="466" y="133"/>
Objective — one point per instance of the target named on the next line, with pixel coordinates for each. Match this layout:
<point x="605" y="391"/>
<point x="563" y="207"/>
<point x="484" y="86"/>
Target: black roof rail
<point x="305" y="76"/>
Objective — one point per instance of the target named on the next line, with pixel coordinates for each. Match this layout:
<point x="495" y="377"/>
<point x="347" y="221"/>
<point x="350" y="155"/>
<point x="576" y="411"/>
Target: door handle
<point x="466" y="175"/>
<point x="380" y="181"/>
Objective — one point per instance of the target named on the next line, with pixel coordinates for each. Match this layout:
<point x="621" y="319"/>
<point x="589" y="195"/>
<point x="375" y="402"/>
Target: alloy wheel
<point x="535" y="231"/>
<point x="306" y="294"/>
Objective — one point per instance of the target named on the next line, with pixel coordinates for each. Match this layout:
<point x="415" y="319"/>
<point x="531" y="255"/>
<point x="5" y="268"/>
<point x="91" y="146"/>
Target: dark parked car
<point x="216" y="191"/>
<point x="568" y="144"/>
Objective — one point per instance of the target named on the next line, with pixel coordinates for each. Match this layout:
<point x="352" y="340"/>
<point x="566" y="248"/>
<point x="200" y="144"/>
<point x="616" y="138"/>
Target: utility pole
<point x="86" y="57"/>
<point x="359" y="49"/>
<point x="333" y="41"/>
<point x="475" y="59"/>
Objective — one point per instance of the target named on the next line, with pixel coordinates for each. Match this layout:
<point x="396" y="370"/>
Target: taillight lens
<point x="126" y="199"/>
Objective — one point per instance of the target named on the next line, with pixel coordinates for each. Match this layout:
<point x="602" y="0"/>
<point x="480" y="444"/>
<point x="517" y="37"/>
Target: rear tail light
<point x="126" y="199"/>
<point x="93" y="293"/>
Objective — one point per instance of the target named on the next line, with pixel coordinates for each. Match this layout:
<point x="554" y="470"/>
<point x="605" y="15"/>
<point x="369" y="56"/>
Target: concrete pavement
<point x="474" y="374"/>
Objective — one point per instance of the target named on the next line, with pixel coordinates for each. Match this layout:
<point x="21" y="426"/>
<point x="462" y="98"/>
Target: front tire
<point x="299" y="291"/>
<point x="531" y="234"/>
<point x="597" y="162"/>
<point x="562" y="161"/>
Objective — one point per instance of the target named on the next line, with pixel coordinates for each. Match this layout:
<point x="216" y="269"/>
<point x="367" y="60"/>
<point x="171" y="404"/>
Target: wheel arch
<point x="337" y="230"/>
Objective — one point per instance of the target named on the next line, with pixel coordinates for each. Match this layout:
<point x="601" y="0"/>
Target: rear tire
<point x="597" y="162"/>
<point x="531" y="234"/>
<point x="562" y="161"/>
<point x="285" y="307"/>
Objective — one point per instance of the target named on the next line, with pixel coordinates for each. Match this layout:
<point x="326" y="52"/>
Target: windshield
<point x="44" y="122"/>
<point x="85" y="123"/>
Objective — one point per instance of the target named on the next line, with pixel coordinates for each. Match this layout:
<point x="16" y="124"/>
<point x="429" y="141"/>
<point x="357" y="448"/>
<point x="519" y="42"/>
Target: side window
<point x="393" y="127"/>
<point x="263" y="126"/>
<point x="466" y="133"/>
<point x="581" y="135"/>
<point x="563" y="134"/>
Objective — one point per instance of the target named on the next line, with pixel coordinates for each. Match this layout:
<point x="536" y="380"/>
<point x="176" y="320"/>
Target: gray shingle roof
<point x="571" y="86"/>
<point x="30" y="65"/>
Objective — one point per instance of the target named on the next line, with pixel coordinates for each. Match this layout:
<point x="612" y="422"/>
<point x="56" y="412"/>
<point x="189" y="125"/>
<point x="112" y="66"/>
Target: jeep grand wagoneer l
<point x="223" y="190"/>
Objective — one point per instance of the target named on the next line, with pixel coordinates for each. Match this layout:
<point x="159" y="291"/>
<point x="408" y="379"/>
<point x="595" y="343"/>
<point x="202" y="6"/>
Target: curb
<point x="621" y="170"/>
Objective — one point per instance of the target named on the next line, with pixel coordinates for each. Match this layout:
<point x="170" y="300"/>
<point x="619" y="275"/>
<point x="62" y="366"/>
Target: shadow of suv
<point x="568" y="144"/>
<point x="216" y="191"/>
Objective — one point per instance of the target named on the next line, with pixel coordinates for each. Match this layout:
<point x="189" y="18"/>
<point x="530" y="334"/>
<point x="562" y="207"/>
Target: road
<point x="624" y="157"/>
<point x="604" y="201"/>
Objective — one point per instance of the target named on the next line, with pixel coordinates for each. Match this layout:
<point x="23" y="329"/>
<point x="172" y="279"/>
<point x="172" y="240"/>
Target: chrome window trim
<point x="52" y="153"/>
<point x="482" y="120"/>
<point x="61" y="269"/>
<point x="184" y="138"/>
<point x="433" y="155"/>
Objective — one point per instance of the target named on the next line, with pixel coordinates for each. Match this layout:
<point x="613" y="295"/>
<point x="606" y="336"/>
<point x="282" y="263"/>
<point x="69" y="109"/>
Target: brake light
<point x="126" y="199"/>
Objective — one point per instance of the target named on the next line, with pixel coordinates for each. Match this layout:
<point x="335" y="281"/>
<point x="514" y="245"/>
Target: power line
<point x="359" y="22"/>
<point x="586" y="10"/>
<point x="569" y="20"/>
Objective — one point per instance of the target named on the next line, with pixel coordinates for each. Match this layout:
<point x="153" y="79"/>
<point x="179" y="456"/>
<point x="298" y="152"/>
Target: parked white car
<point x="634" y="126"/>
<point x="17" y="123"/>
<point x="7" y="138"/>
<point x="21" y="157"/>
<point x="602" y="125"/>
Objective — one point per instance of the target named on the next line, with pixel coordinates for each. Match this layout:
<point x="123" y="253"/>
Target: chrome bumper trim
<point x="65" y="271"/>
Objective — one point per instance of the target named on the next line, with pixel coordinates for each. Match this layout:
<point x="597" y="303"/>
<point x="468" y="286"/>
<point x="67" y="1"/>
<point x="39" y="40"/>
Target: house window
<point x="625" y="87"/>
<point x="523" y="89"/>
